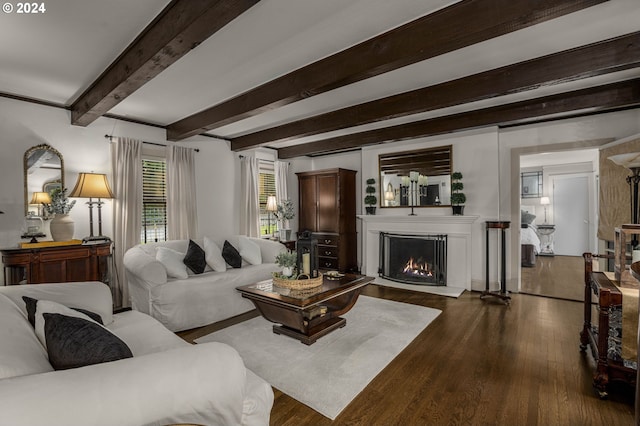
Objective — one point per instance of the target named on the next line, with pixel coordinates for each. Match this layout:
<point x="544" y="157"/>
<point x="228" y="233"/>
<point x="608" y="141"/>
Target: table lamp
<point x="272" y="206"/>
<point x="93" y="185"/>
<point x="40" y="198"/>
<point x="545" y="202"/>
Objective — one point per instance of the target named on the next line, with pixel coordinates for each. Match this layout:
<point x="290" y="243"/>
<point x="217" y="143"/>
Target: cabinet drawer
<point x="327" y="240"/>
<point x="327" y="251"/>
<point x="327" y="263"/>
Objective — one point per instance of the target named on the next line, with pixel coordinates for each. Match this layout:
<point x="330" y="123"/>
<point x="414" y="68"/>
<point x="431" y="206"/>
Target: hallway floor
<point x="560" y="277"/>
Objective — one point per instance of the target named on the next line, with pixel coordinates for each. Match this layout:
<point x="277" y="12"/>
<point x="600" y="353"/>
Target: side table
<point x="546" y="232"/>
<point x="502" y="226"/>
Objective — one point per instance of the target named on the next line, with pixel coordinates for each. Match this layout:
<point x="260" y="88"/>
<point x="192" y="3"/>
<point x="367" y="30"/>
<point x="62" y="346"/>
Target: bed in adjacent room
<point x="529" y="240"/>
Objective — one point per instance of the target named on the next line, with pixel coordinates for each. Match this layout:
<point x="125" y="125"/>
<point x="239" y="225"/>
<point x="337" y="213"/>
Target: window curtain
<point x="126" y="157"/>
<point x="182" y="217"/>
<point x="281" y="170"/>
<point x="249" y="203"/>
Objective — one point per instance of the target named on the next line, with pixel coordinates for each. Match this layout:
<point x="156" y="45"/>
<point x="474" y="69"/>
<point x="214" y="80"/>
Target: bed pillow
<point x="195" y="258"/>
<point x="526" y="218"/>
<point x="213" y="256"/>
<point x="172" y="260"/>
<point x="249" y="250"/>
<point x="231" y="255"/>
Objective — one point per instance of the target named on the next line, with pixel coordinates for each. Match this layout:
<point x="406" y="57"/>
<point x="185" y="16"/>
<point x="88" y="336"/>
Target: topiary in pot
<point x="457" y="196"/>
<point x="370" y="199"/>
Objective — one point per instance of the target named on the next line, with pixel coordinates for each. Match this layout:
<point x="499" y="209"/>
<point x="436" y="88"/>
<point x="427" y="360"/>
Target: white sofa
<point x="167" y="381"/>
<point x="182" y="304"/>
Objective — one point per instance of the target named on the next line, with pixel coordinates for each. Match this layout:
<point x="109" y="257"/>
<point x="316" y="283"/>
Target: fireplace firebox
<point x="413" y="259"/>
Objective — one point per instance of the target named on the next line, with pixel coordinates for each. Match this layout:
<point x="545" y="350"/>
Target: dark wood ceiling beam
<point x="461" y="24"/>
<point x="589" y="61"/>
<point x="178" y="29"/>
<point x="600" y="98"/>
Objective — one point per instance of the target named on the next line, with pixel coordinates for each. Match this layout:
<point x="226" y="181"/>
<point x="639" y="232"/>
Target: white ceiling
<point x="55" y="56"/>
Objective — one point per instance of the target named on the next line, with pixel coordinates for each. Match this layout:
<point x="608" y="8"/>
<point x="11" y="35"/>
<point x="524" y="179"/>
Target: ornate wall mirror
<point x="43" y="172"/>
<point x="419" y="178"/>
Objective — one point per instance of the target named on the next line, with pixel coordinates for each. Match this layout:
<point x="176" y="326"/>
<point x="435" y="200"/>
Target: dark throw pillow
<point x="526" y="217"/>
<point x="195" y="259"/>
<point x="231" y="255"/>
<point x="76" y="342"/>
<point x="32" y="305"/>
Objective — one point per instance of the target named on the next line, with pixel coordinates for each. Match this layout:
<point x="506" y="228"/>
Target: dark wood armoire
<point x="327" y="208"/>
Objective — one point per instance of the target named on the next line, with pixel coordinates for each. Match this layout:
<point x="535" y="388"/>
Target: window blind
<point x="154" y="200"/>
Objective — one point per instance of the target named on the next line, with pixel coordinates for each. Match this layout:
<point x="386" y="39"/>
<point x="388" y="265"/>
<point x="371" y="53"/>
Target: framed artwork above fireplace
<point x="418" y="178"/>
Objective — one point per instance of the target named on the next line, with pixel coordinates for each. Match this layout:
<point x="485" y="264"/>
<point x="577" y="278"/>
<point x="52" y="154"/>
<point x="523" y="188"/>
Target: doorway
<point x="569" y="183"/>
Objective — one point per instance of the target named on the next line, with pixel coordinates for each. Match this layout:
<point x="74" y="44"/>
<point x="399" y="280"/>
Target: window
<point x="267" y="186"/>
<point x="154" y="200"/>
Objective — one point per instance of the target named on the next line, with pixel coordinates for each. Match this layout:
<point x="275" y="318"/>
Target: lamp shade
<point x="272" y="204"/>
<point x="629" y="160"/>
<point x="545" y="201"/>
<point x="40" y="198"/>
<point x="92" y="185"/>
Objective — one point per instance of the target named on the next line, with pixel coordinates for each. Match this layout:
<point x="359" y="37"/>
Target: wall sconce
<point x="93" y="185"/>
<point x="272" y="206"/>
<point x="545" y="202"/>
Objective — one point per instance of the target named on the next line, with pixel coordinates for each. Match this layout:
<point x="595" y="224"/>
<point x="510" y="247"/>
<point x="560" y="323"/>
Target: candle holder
<point x="307" y="248"/>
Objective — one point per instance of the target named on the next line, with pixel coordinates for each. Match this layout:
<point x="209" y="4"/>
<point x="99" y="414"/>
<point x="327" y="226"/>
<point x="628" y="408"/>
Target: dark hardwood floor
<point x="555" y="276"/>
<point x="480" y="363"/>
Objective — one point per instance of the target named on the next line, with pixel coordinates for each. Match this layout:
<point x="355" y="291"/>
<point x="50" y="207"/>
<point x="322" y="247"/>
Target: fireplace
<point x="413" y="259"/>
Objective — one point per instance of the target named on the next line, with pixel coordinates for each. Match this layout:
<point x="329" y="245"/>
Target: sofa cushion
<point x="74" y="342"/>
<point x="195" y="258"/>
<point x="231" y="255"/>
<point x="31" y="306"/>
<point x="172" y="261"/>
<point x="213" y="256"/>
<point x="249" y="251"/>
<point x="22" y="354"/>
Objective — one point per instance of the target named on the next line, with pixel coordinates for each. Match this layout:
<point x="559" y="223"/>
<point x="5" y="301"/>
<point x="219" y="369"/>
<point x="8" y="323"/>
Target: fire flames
<point x="418" y="268"/>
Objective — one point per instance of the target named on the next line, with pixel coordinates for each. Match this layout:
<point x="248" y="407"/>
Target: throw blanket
<point x="629" y="322"/>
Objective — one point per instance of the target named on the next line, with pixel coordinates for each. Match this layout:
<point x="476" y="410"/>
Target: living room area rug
<point x="330" y="373"/>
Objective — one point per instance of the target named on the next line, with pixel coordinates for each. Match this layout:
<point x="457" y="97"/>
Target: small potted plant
<point x="457" y="196"/>
<point x="287" y="260"/>
<point x="62" y="226"/>
<point x="284" y="213"/>
<point x="370" y="199"/>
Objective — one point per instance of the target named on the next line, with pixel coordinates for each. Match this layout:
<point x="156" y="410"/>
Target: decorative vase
<point x="287" y="271"/>
<point x="285" y="235"/>
<point x="61" y="227"/>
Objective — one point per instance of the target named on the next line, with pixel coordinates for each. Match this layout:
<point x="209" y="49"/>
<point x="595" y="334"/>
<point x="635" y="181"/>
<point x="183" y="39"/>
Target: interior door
<point x="571" y="214"/>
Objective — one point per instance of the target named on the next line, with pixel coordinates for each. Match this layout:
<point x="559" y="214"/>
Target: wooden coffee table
<point x="306" y="315"/>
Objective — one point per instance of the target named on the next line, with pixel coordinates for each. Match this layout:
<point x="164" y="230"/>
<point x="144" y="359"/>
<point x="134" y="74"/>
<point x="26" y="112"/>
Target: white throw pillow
<point x="213" y="256"/>
<point x="172" y="260"/>
<point x="249" y="250"/>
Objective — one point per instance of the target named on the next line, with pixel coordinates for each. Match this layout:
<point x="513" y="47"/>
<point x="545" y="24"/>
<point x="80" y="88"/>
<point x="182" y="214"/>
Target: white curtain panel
<point x="182" y="217"/>
<point x="126" y="157"/>
<point x="281" y="169"/>
<point x="250" y="204"/>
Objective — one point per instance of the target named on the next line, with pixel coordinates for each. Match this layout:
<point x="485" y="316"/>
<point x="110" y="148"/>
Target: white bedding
<point x="528" y="236"/>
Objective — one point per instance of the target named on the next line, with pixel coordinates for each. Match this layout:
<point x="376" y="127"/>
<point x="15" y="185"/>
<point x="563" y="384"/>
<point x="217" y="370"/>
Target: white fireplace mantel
<point x="457" y="228"/>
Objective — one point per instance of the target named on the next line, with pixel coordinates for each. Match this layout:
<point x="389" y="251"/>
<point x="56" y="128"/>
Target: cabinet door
<point x="307" y="204"/>
<point x="327" y="203"/>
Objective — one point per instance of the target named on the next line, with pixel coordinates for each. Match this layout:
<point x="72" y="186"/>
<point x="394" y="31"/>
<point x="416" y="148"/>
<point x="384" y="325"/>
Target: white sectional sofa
<point x="166" y="381"/>
<point x="182" y="304"/>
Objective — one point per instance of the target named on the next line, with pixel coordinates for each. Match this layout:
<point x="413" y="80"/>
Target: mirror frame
<point x="410" y="160"/>
<point x="27" y="154"/>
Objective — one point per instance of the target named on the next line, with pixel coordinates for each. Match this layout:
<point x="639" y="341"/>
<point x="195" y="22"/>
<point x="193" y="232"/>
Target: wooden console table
<point x="609" y="297"/>
<point x="67" y="263"/>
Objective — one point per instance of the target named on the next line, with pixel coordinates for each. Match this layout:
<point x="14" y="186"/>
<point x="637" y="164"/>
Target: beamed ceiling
<point x="310" y="77"/>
